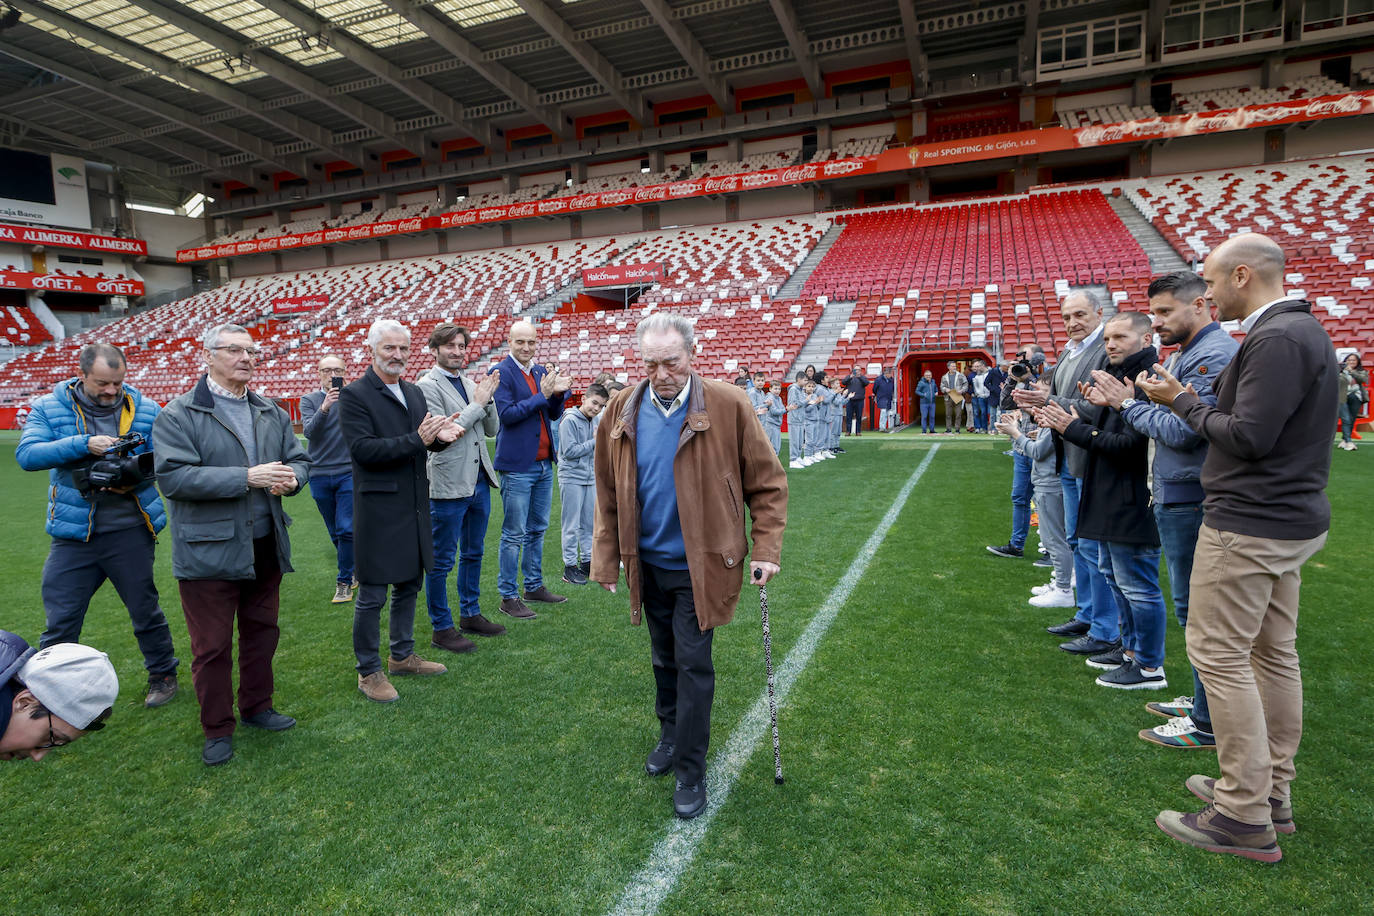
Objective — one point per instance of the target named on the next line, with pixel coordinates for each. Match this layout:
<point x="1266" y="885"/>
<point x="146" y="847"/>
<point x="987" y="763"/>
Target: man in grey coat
<point x="225" y="458"/>
<point x="460" y="482"/>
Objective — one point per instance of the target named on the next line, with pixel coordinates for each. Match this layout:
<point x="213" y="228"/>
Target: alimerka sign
<point x="622" y="275"/>
<point x="99" y="286"/>
<point x="995" y="146"/>
<point x="68" y="238"/>
<point x="296" y="305"/>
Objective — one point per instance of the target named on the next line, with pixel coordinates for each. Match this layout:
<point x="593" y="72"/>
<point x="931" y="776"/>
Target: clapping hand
<point x="1162" y="388"/>
<point x="1111" y="390"/>
<point x="444" y="429"/>
<point x="1036" y="396"/>
<point x="554" y="384"/>
<point x="1054" y="417"/>
<point x="485" y="389"/>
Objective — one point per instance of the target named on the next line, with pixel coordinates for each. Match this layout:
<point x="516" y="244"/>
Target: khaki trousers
<point x="1242" y="631"/>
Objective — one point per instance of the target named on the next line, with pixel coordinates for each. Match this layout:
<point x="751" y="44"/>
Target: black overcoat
<point x="392" y="541"/>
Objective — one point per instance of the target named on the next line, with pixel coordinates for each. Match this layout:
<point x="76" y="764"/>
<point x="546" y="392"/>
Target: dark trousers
<point x="211" y="606"/>
<point x="854" y="416"/>
<point x="75" y="570"/>
<point x="683" y="670"/>
<point x="333" y="494"/>
<point x="367" y="622"/>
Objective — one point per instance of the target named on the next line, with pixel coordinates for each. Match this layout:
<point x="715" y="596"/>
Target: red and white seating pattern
<point x="19" y="327"/>
<point x="856" y="146"/>
<point x="1318" y="210"/>
<point x="1235" y="96"/>
<point x="1106" y="114"/>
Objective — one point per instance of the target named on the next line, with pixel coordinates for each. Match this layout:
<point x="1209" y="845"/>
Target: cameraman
<point x="107" y="533"/>
<point x="1023" y="375"/>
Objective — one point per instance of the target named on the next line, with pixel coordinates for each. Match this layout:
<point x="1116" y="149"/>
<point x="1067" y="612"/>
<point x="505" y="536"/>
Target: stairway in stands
<point x="824" y="335"/>
<point x="792" y="288"/>
<point x="1163" y="258"/>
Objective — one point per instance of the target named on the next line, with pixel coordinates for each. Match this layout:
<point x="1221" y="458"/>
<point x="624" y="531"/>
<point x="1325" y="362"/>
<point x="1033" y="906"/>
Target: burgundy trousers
<point x="211" y="607"/>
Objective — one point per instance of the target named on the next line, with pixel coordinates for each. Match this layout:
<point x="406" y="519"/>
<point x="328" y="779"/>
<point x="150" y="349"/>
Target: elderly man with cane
<point x="678" y="459"/>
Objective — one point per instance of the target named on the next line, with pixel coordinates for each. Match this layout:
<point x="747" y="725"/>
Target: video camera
<point x="115" y="469"/>
<point x="1022" y="374"/>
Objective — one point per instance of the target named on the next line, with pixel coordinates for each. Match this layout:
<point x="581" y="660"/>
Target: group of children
<point x="815" y="410"/>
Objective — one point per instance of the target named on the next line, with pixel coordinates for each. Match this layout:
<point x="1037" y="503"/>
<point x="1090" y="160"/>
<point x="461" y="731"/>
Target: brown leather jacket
<point x="723" y="463"/>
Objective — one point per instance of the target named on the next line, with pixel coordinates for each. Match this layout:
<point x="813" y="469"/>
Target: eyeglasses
<point x="236" y="351"/>
<point x="52" y="738"/>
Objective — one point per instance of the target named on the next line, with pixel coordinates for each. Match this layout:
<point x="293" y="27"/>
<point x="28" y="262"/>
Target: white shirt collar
<point x="1087" y="342"/>
<point x="526" y="368"/>
<point x="217" y="388"/>
<point x="1249" y="321"/>
<point x="677" y="401"/>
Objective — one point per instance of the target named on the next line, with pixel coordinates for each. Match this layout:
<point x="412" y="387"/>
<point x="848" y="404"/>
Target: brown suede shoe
<point x="516" y="608"/>
<point x="414" y="664"/>
<point x="1204" y="787"/>
<point x="1213" y="831"/>
<point x="451" y="640"/>
<point x="478" y="625"/>
<point x="544" y="596"/>
<point x="377" y="688"/>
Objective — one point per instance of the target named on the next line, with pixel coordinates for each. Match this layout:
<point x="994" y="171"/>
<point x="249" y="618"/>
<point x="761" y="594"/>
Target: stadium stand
<point x="19" y="328"/>
<point x="1317" y="209"/>
<point x="1106" y="114"/>
<point x="1236" y="96"/>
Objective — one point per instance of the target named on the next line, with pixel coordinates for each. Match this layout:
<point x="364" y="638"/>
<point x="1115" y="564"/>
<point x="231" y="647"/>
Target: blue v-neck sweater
<point x="660" y="529"/>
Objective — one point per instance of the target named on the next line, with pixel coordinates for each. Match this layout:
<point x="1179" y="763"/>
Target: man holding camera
<point x="331" y="469"/>
<point x="100" y="532"/>
<point x="1025" y="372"/>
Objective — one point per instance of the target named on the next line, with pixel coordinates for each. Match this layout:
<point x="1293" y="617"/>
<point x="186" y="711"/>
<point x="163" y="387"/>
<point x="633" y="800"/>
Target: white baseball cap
<point x="75" y="682"/>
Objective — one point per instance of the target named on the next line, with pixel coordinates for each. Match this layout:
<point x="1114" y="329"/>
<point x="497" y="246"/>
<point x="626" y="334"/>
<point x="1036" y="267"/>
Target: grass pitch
<point x="942" y="756"/>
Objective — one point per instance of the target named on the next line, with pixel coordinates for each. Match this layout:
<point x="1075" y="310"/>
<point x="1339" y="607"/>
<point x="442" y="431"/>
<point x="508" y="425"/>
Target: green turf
<point x="941" y="755"/>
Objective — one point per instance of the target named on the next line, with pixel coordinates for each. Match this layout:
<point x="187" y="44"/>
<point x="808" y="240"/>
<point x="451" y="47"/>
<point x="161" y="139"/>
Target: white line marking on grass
<point x="671" y="855"/>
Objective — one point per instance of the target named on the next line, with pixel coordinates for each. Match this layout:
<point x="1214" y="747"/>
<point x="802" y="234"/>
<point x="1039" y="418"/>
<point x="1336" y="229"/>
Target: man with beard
<point x="389" y="430"/>
<point x="1182" y="318"/>
<point x="460" y="482"/>
<point x="1115" y="511"/>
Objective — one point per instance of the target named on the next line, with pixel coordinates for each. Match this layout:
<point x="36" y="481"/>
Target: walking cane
<point x="768" y="665"/>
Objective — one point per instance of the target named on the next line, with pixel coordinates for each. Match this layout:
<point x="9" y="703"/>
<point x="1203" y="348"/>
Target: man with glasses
<point x="225" y="458"/>
<point x="51" y="697"/>
<point x="99" y="533"/>
<point x="331" y="469"/>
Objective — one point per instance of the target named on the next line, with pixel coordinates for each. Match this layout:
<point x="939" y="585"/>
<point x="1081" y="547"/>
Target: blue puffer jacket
<point x="14" y="653"/>
<point x="54" y="440"/>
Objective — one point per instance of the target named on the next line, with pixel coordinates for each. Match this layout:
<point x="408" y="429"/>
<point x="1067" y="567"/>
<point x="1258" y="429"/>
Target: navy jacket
<point x="521" y="415"/>
<point x="882" y="391"/>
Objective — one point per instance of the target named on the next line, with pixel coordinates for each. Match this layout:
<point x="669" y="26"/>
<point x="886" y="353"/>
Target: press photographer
<point x="93" y="435"/>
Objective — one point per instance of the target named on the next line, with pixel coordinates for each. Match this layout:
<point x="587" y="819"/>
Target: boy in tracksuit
<point x="839" y="398"/>
<point x="577" y="482"/>
<point x="816" y="428"/>
<point x="796" y="422"/>
<point x="769" y="408"/>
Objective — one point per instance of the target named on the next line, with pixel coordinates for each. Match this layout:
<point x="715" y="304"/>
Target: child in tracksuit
<point x="796" y="422"/>
<point x="1046" y="461"/>
<point x="768" y="407"/>
<point x="577" y="483"/>
<point x="817" y="427"/>
<point x="838" y="399"/>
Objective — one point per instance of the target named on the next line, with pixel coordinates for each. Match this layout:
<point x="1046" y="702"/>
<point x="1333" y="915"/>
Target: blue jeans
<point x="927" y="416"/>
<point x="526" y="497"/>
<point x="457" y="522"/>
<point x="333" y="493"/>
<point x="1096" y="603"/>
<point x="1132" y="573"/>
<point x="1020" y="499"/>
<point x="1178" y="527"/>
<point x="980" y="414"/>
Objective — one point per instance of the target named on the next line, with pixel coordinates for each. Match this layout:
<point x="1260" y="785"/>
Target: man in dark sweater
<point x="331" y="469"/>
<point x="1265" y="514"/>
<point x="1115" y="511"/>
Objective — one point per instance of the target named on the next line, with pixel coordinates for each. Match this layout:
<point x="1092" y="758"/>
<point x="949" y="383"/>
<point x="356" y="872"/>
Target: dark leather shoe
<point x="660" y="759"/>
<point x="1073" y="627"/>
<point x="451" y="640"/>
<point x="544" y="596"/>
<point x="478" y="625"/>
<point x="217" y="751"/>
<point x="514" y="607"/>
<point x="161" y="689"/>
<point x="270" y="720"/>
<point x="1086" y="645"/>
<point x="689" y="801"/>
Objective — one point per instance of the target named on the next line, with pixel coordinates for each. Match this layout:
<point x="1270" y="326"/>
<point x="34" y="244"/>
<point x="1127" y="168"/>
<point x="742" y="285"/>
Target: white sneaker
<point x="1041" y="589"/>
<point x="1054" y="598"/>
<point x="794" y="463"/>
<point x="808" y="461"/>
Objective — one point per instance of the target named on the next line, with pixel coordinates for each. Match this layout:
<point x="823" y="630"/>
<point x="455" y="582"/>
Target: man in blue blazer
<point x="529" y="401"/>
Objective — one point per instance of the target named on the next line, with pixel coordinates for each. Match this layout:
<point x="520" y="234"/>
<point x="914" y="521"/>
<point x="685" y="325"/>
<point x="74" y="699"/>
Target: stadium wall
<point x="1186" y="154"/>
<point x="413" y="246"/>
<point x="304" y="259"/>
<point x="1318" y="139"/>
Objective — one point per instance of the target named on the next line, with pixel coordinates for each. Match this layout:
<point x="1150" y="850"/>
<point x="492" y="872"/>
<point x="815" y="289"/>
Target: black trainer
<point x="1008" y="551"/>
<point x="689" y="801"/>
<point x="1086" y="645"/>
<point x="573" y="575"/>
<point x="660" y="759"/>
<point x="217" y="751"/>
<point x="270" y="720"/>
<point x="1072" y="627"/>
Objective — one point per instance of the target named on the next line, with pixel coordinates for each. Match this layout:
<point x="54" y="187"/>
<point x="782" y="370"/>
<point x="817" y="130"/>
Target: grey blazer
<point x="1064" y="392"/>
<point x="453" y="472"/>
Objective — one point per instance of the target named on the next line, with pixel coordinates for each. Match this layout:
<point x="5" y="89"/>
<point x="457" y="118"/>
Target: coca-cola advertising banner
<point x="66" y="238"/>
<point x="622" y="275"/>
<point x="296" y="305"/>
<point x="996" y="146"/>
<point x="100" y="286"/>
